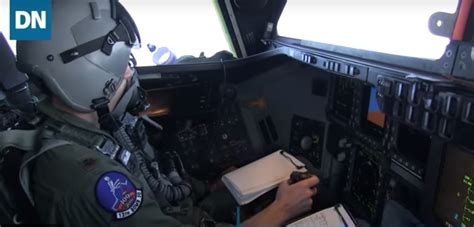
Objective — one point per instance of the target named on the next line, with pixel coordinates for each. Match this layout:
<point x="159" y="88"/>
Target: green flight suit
<point x="64" y="183"/>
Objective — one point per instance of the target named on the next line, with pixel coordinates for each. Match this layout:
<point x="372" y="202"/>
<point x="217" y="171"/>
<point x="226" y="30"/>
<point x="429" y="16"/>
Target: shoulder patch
<point x="117" y="194"/>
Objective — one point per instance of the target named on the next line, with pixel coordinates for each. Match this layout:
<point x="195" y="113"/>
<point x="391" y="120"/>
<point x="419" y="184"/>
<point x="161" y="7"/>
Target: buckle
<point x="100" y="103"/>
<point x="108" y="148"/>
<point x="207" y="222"/>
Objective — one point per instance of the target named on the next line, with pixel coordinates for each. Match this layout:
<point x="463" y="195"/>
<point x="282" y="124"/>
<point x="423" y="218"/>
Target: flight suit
<point x="78" y="186"/>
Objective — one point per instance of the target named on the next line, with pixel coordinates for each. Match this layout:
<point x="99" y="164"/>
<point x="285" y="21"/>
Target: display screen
<point x="374" y="113"/>
<point x="413" y="145"/>
<point x="455" y="198"/>
<point x="343" y="97"/>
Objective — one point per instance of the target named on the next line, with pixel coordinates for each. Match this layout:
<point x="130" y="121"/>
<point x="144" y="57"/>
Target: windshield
<point x="397" y="27"/>
<point x="178" y="27"/>
<point x="5" y="23"/>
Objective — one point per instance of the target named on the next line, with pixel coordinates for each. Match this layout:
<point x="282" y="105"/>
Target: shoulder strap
<point x="25" y="173"/>
<point x="101" y="142"/>
<point x="22" y="139"/>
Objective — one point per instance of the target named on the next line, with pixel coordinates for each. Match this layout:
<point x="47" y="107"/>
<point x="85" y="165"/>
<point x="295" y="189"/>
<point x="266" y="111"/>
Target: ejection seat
<point x="16" y="106"/>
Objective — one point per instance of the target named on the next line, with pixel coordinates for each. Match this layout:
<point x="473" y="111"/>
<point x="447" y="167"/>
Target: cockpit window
<point x="171" y="29"/>
<point x="5" y="23"/>
<point x="397" y="27"/>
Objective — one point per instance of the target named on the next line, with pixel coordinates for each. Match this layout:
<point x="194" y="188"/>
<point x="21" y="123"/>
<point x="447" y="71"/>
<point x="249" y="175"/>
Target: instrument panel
<point x="394" y="121"/>
<point x="307" y="139"/>
<point x="210" y="143"/>
<point x="394" y="137"/>
<point x="365" y="185"/>
<point x="455" y="197"/>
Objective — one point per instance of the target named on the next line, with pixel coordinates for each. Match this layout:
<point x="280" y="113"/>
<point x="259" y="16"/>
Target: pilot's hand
<point x="295" y="199"/>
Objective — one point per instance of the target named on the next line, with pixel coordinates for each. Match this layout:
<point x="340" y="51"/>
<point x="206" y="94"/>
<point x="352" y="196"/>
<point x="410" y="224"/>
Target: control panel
<point x="393" y="122"/>
<point x="202" y="121"/>
<point x="434" y="107"/>
<point x="354" y="104"/>
<point x="455" y="199"/>
<point x="339" y="67"/>
<point x="341" y="103"/>
<point x="410" y="149"/>
<point x="209" y="144"/>
<point x="393" y="137"/>
<point x="307" y="139"/>
<point x="385" y="150"/>
<point x="365" y="186"/>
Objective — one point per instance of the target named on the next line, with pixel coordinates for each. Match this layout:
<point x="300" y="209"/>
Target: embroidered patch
<point x="117" y="194"/>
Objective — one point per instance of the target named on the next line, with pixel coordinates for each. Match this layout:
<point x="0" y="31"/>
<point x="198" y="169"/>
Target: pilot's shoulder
<point x="84" y="184"/>
<point x="73" y="164"/>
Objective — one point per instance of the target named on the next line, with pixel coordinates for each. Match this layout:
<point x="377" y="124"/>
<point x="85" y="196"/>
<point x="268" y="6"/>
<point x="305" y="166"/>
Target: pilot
<point x="95" y="166"/>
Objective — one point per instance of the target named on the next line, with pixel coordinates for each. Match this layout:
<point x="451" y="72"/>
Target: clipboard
<point x="256" y="178"/>
<point x="332" y="216"/>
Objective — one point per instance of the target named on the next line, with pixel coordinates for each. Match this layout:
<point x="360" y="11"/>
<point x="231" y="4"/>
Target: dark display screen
<point x="343" y="98"/>
<point x="364" y="187"/>
<point x="374" y="113"/>
<point x="455" y="198"/>
<point x="413" y="145"/>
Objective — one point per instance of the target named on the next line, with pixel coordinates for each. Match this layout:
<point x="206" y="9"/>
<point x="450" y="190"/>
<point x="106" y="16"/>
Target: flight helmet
<point x="84" y="61"/>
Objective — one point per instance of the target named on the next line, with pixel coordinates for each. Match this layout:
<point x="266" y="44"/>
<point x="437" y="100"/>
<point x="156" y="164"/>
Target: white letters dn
<point x="35" y="19"/>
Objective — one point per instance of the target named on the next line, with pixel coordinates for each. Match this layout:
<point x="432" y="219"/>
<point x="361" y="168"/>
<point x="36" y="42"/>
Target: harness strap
<point x="99" y="142"/>
<point x="21" y="139"/>
<point x="55" y="135"/>
<point x="25" y="172"/>
<point x="56" y="130"/>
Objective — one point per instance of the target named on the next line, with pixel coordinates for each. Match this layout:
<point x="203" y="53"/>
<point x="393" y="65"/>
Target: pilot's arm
<point x="76" y="186"/>
<point x="87" y="210"/>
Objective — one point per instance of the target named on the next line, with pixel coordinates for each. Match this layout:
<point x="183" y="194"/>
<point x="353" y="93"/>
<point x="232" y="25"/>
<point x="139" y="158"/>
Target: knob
<point x="224" y="136"/>
<point x="342" y="142"/>
<point x="392" y="183"/>
<point x="306" y="143"/>
<point x="341" y="156"/>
